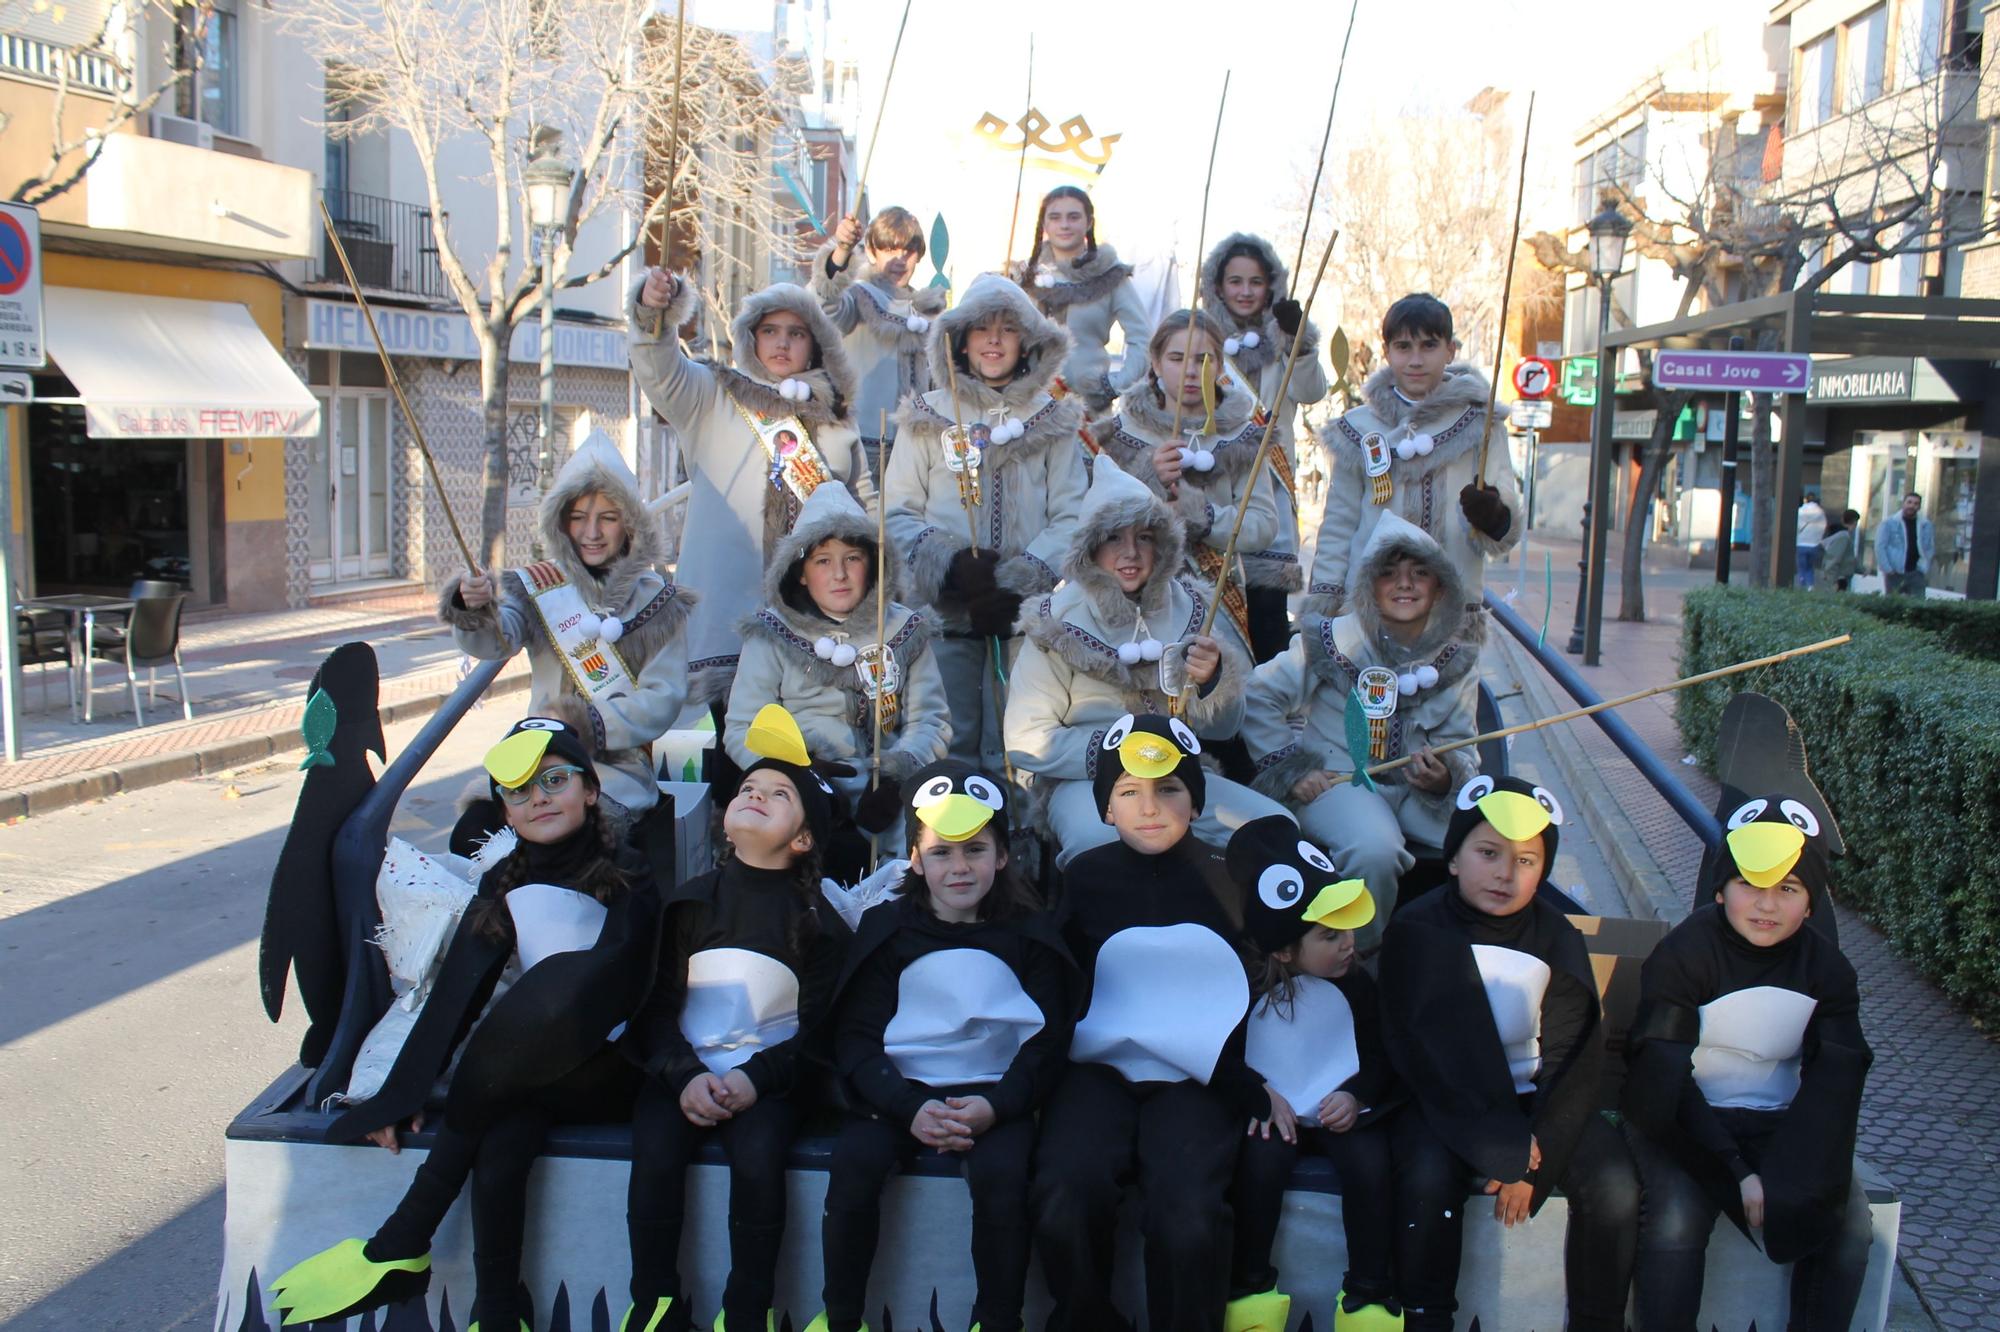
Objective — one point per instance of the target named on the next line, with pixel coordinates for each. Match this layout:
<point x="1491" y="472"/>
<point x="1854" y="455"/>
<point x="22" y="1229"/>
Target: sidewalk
<point x="246" y="677"/>
<point x="1929" y="1119"/>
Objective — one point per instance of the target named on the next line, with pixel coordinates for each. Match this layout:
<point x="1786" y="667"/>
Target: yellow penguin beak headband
<point x="1147" y="755"/>
<point x="1346" y="905"/>
<point x="514" y="760"/>
<point x="1518" y="811"/>
<point x="1768" y="843"/>
<point x="956" y="801"/>
<point x="774" y="734"/>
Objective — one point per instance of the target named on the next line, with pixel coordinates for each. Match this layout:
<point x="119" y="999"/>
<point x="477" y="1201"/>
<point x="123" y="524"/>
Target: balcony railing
<point x="389" y="243"/>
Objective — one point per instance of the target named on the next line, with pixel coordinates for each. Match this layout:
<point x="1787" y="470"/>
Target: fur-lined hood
<point x="1114" y="501"/>
<point x="1056" y="285"/>
<point x="1044" y="345"/>
<point x="1270" y="338"/>
<point x="832" y="381"/>
<point x="828" y="512"/>
<point x="1451" y="618"/>
<point x="598" y="468"/>
<point x="1235" y="405"/>
<point x="1463" y="386"/>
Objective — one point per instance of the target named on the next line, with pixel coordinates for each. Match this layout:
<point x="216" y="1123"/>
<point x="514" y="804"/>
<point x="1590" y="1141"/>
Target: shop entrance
<point x="107" y="511"/>
<point x="1940" y="465"/>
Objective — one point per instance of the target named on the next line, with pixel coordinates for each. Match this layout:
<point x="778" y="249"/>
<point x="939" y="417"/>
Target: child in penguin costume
<point x="1157" y="1088"/>
<point x="811" y="649"/>
<point x="570" y="929"/>
<point x="1315" y="1036"/>
<point x="1491" y="1015"/>
<point x="1410" y="644"/>
<point x="1119" y="638"/>
<point x="881" y="317"/>
<point x="1743" y="1088"/>
<point x="951" y="1025"/>
<point x="747" y="971"/>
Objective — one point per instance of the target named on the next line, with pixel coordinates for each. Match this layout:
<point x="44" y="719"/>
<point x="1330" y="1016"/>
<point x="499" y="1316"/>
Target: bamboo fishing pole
<point x="673" y="158"/>
<point x="1621" y="701"/>
<point x="881" y="620"/>
<point x="1326" y="137"/>
<point x="1021" y="167"/>
<point x="1506" y="292"/>
<point x="396" y="386"/>
<point x="1200" y="241"/>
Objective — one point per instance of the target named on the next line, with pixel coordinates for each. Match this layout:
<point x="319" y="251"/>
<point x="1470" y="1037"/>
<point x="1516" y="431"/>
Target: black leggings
<point x="1270" y="622"/>
<point x="1178" y="1141"/>
<point x="996" y="1170"/>
<point x="1361" y="1158"/>
<point x="1603" y="1194"/>
<point x="663" y="1143"/>
<point x="598" y="1091"/>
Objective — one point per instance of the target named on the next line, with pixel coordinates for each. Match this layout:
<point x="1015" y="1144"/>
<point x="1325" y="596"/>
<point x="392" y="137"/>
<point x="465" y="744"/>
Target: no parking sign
<point x="21" y="287"/>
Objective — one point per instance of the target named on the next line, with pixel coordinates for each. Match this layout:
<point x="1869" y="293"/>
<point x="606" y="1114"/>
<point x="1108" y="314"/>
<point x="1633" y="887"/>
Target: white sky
<point x="1152" y="72"/>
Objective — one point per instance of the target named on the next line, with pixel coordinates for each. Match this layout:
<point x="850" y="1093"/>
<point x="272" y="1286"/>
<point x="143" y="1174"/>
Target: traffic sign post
<point x="1732" y="371"/>
<point x="20" y="348"/>
<point x="1534" y="378"/>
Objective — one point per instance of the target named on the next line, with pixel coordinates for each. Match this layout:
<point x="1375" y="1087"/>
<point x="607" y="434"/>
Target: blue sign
<point x="339" y="326"/>
<point x="1748" y="372"/>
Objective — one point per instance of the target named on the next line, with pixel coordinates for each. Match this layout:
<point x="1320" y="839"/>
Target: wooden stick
<point x="1200" y="243"/>
<point x="1574" y="713"/>
<point x="1326" y="137"/>
<point x="881" y="616"/>
<point x="1021" y="167"/>
<point x="1506" y="292"/>
<point x="673" y="157"/>
<point x="396" y="386"/>
<point x="875" y="134"/>
<point x="958" y="424"/>
<point x="1264" y="445"/>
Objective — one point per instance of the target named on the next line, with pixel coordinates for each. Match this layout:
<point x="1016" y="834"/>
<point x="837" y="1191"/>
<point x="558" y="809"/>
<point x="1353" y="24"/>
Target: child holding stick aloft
<point x="883" y="320"/>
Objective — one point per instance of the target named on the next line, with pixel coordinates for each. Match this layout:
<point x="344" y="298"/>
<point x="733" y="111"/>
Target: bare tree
<point x="106" y="61"/>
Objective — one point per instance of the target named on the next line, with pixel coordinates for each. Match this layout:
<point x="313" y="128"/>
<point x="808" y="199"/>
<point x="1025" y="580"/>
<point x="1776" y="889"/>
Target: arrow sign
<point x="1751" y="372"/>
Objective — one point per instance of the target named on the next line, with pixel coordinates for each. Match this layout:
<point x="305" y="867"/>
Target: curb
<point x="210" y="760"/>
<point x="1647" y="892"/>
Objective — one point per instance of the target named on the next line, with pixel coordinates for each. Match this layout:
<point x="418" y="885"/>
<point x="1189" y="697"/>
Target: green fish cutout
<point x="1357" y="740"/>
<point x="940" y="244"/>
<point x="321" y="720"/>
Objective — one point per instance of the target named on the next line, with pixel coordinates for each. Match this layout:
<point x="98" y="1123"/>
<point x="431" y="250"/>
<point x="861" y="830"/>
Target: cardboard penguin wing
<point x="1163" y="1004"/>
<point x="1305" y="1069"/>
<point x="961" y="1017"/>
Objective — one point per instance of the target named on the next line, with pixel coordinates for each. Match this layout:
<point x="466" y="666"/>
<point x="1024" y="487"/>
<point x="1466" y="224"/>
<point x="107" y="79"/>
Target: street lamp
<point x="547" y="179"/>
<point x="1608" y="233"/>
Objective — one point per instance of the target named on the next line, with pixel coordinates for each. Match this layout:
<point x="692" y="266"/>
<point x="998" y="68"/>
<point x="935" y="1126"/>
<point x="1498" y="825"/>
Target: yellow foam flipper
<point x="1514" y="816"/>
<point x="514" y="760"/>
<point x="1268" y="1312"/>
<point x="1346" y="905"/>
<point x="1147" y="755"/>
<point x="334" y="1280"/>
<point x="956" y="818"/>
<point x="1766" y="852"/>
<point x="774" y="734"/>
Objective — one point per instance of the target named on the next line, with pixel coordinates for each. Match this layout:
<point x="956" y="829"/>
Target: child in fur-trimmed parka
<point x="1408" y="626"/>
<point x="1082" y="286"/>
<point x="1248" y="289"/>
<point x="811" y="648"/>
<point x="603" y="551"/>
<point x="1412" y="449"/>
<point x="756" y="438"/>
<point x="882" y="318"/>
<point x="1098" y="648"/>
<point x="1017" y="470"/>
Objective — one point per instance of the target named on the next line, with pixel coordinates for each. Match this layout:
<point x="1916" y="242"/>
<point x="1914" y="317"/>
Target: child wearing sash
<point x="1411" y="645"/>
<point x="1247" y="288"/>
<point x="728" y="1038"/>
<point x="982" y="511"/>
<point x="604" y="630"/>
<point x="812" y="648"/>
<point x="1412" y="448"/>
<point x="757" y="437"/>
<point x="883" y="319"/>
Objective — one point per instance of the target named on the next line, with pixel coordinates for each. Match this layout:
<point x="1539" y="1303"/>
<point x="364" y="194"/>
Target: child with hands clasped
<point x="951" y="1025"/>
<point x="1315" y="1037"/>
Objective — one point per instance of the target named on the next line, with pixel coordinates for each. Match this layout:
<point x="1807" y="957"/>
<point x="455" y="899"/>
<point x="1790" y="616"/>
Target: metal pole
<point x="1598" y="515"/>
<point x="10" y="648"/>
<point x="1732" y="431"/>
<point x="545" y="464"/>
<point x="1575" y="644"/>
<point x="1534" y="448"/>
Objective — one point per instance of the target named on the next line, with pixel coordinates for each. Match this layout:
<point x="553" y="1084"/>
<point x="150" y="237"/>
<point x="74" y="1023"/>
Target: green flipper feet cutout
<point x="660" y="1308"/>
<point x="770" y="1321"/>
<point x="1365" y="1318"/>
<point x="340" y="1281"/>
<point x="1267" y="1312"/>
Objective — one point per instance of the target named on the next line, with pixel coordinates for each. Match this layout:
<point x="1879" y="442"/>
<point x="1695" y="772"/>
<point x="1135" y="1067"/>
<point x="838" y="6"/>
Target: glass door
<point x="1948" y="462"/>
<point x="350" y="489"/>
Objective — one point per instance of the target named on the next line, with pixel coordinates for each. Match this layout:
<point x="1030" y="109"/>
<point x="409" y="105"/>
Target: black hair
<point x="1248" y="250"/>
<point x="600" y="877"/>
<point x="792" y="587"/>
<point x="1851" y="517"/>
<point x="1011" y="897"/>
<point x="1041" y="217"/>
<point x="1418" y="314"/>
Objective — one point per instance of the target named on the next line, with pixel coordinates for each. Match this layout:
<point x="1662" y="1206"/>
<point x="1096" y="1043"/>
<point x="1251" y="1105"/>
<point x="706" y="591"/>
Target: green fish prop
<point x="320" y="721"/>
<point x="1358" y="747"/>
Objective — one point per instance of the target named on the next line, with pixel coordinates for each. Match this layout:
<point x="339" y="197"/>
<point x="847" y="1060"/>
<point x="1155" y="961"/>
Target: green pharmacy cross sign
<point x="1579" y="381"/>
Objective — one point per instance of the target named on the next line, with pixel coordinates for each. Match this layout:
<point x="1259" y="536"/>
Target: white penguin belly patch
<point x="738" y="1003"/>
<point x="1750" y="1046"/>
<point x="1307" y="1049"/>
<point x="961" y="1017"/>
<point x="1515" y="983"/>
<point x="550" y="920"/>
<point x="1164" y="1001"/>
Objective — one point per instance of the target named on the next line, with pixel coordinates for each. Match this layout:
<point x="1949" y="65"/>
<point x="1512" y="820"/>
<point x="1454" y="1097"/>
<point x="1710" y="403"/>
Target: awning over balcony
<point x="157" y="366"/>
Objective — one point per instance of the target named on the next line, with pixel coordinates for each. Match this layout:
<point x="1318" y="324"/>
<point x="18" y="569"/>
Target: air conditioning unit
<point x="179" y="129"/>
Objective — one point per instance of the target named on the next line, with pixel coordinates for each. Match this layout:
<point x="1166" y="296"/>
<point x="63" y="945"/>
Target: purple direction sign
<point x="1754" y="372"/>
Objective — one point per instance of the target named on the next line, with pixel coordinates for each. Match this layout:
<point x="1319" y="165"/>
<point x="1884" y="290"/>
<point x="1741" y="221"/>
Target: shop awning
<point x="158" y="366"/>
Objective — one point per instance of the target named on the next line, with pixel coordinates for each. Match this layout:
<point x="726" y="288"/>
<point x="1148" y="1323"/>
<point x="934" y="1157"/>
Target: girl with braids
<point x="748" y="971"/>
<point x="1081" y="285"/>
<point x="527" y="1066"/>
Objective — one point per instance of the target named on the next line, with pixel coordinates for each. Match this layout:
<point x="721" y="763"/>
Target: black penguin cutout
<point x="299" y="925"/>
<point x="1761" y="753"/>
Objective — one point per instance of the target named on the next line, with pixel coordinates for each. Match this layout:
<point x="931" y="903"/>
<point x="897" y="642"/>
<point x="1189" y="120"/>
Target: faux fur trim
<point x="1272" y="568"/>
<point x="928" y="561"/>
<point x="855" y="529"/>
<point x="710" y="678"/>
<point x="1451" y="415"/>
<point x="909" y="632"/>
<point x="873" y="303"/>
<point x="1253" y="360"/>
<point x="1025" y="576"/>
<point x="1044" y="346"/>
<point x="1050" y="424"/>
<point x="899" y="765"/>
<point x="833" y="360"/>
<point x="639" y="318"/>
<point x="647" y="548"/>
<point x="1107" y="599"/>
<point x="1323" y="599"/>
<point x="761" y="396"/>
<point x="1085" y="652"/>
<point x="1327" y="647"/>
<point x="1077" y="282"/>
<point x="484" y="620"/>
<point x="1453" y="617"/>
<point x="1234" y="423"/>
<point x="1278" y="773"/>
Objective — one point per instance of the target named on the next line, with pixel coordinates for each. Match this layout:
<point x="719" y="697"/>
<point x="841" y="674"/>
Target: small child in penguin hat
<point x="775" y="738"/>
<point x="511" y="762"/>
<point x="1314" y="1035"/>
<point x="1149" y="746"/>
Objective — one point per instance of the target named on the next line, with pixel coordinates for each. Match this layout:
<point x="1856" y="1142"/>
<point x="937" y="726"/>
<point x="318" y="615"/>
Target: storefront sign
<point x="142" y="421"/>
<point x="339" y="326"/>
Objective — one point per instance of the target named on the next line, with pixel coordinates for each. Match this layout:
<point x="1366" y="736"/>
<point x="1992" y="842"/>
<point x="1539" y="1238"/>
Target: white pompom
<point x="1204" y="460"/>
<point x="1406" y="685"/>
<point x="1016" y="427"/>
<point x="1152" y="649"/>
<point x="1405" y="450"/>
<point x="1252" y="339"/>
<point x="917" y="324"/>
<point x="589" y="626"/>
<point x="1129" y="654"/>
<point x="1045" y="280"/>
<point x="823" y="648"/>
<point x="1423" y="444"/>
<point x="1230" y="346"/>
<point x="844" y="655"/>
<point x="1186" y="456"/>
<point x="794" y="390"/>
<point x="612" y="630"/>
<point x="1427" y="675"/>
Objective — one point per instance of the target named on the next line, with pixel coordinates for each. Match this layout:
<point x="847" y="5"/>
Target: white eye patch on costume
<point x="1802" y="818"/>
<point x="1280" y="887"/>
<point x="1315" y="857"/>
<point x="1748" y="812"/>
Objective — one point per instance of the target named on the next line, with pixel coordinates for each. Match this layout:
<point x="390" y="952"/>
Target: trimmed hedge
<point x="1904" y="738"/>
<point x="1968" y="627"/>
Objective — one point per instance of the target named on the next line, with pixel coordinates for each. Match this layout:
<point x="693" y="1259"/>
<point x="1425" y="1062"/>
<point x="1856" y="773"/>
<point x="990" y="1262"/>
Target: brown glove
<point x="1484" y="510"/>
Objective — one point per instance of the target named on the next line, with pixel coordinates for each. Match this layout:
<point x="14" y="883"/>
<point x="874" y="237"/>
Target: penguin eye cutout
<point x="1802" y="818"/>
<point x="986" y="793"/>
<point x="1119" y="730"/>
<point x="932" y="791"/>
<point x="540" y="724"/>
<point x="1748" y="812"/>
<point x="1281" y="887"/>
<point x="1474" y="791"/>
<point x="1183" y="737"/>
<point x="1315" y="857"/>
<point x="1546" y="799"/>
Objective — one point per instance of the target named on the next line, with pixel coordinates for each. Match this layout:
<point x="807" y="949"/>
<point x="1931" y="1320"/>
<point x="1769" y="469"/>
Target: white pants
<point x="1358" y="829"/>
<point x="973" y="696"/>
<point x="1078" y="824"/>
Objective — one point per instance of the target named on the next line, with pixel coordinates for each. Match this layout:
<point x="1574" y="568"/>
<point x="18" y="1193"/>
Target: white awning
<point x="159" y="366"/>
